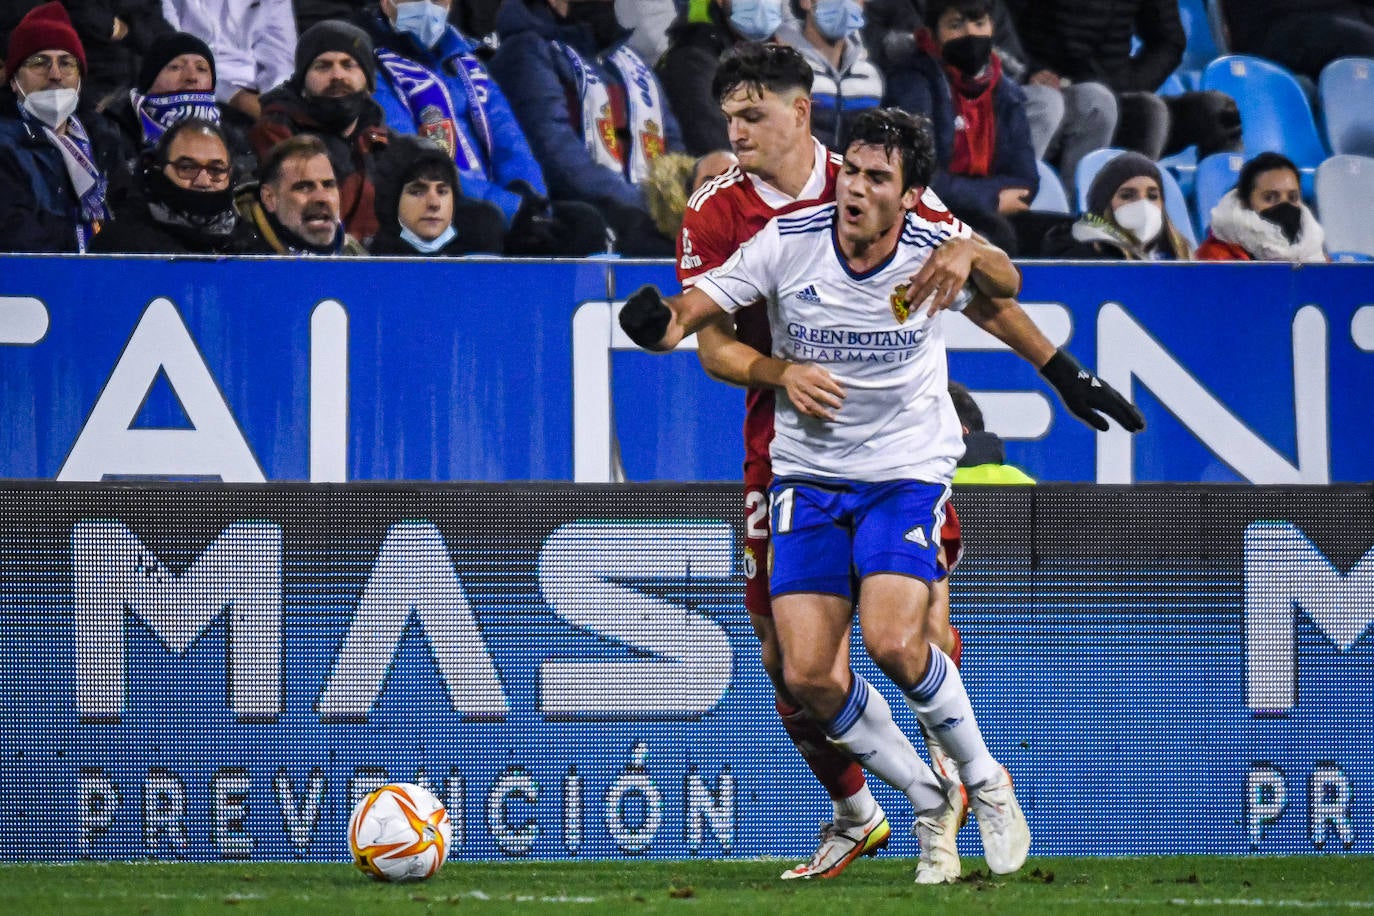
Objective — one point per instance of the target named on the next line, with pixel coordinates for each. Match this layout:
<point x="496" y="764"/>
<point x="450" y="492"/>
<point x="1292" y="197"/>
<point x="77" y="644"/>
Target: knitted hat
<point x="1116" y="173"/>
<point x="334" y="35"/>
<point x="167" y="48"/>
<point x="45" y="28"/>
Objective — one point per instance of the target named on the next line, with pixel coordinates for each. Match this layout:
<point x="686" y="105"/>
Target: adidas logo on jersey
<point x="917" y="536"/>
<point x="809" y="295"/>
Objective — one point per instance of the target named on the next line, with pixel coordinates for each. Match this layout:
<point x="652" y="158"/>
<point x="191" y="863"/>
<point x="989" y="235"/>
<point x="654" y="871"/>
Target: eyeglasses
<point x="190" y="169"/>
<point x="41" y="63"/>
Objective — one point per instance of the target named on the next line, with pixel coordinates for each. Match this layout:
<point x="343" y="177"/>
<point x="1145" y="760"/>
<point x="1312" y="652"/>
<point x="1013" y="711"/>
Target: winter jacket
<point x="39" y="209"/>
<point x="254" y="41"/>
<point x="284" y="115"/>
<point x="922" y="87"/>
<point x="140" y="230"/>
<point x="1240" y="234"/>
<point x="686" y="72"/>
<point x="277" y="239"/>
<point x="1090" y="40"/>
<point x="838" y="95"/>
<point x="542" y="88"/>
<point x="511" y="159"/>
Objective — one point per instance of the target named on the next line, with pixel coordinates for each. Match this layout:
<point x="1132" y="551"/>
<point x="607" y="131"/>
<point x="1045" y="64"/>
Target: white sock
<point x="865" y="729"/>
<point x="856" y="809"/>
<point x="942" y="705"/>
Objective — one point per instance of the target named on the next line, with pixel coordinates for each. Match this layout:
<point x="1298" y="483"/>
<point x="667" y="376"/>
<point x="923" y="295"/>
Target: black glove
<point x="645" y="317"/>
<point x="1085" y="394"/>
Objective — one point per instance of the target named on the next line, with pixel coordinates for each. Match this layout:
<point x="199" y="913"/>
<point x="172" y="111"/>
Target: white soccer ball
<point x="399" y="832"/>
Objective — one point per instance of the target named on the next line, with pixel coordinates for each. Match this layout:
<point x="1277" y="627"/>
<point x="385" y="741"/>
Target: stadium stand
<point x="1346" y="89"/>
<point x="1216" y="175"/>
<point x="1175" y="203"/>
<point x="1345" y="198"/>
<point x="1274" y="110"/>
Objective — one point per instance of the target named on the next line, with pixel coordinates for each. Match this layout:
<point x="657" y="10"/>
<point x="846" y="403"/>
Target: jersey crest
<point x="900" y="307"/>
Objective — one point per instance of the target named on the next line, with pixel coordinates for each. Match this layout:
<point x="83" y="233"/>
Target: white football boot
<point x="839" y="847"/>
<point x="936" y="832"/>
<point x="1006" y="835"/>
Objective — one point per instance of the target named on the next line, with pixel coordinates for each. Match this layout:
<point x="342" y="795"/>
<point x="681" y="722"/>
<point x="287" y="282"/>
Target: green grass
<point x="1193" y="884"/>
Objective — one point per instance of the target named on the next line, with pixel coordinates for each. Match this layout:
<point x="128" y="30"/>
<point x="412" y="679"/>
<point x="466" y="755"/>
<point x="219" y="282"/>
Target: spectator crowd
<point x="566" y="128"/>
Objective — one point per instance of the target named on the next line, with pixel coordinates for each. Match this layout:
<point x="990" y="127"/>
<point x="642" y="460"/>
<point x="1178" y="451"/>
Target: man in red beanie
<point x="54" y="173"/>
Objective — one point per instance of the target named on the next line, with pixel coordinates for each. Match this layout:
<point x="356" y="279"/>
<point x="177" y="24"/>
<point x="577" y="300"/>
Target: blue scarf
<point x="426" y="97"/>
<point x="156" y="113"/>
<point x="88" y="181"/>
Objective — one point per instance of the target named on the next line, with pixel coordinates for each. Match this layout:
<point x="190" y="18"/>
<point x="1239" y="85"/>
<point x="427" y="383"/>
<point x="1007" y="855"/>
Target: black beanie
<point x="1116" y="173"/>
<point x="167" y="48"/>
<point x="334" y="35"/>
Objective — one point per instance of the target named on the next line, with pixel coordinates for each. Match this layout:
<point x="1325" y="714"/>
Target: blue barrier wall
<point x="383" y="370"/>
<point x="219" y="672"/>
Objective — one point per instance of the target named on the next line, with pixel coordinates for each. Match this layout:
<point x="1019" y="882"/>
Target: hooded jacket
<point x="838" y="95"/>
<point x="1240" y="234"/>
<point x="479" y="223"/>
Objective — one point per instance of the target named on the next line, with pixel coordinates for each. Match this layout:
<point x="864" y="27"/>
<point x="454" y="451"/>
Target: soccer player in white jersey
<point x="863" y="452"/>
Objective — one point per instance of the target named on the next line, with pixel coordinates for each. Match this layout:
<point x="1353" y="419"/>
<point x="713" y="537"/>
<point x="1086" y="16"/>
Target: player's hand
<point x="645" y="317"/>
<point x="813" y="390"/>
<point x="1087" y="396"/>
<point x="942" y="276"/>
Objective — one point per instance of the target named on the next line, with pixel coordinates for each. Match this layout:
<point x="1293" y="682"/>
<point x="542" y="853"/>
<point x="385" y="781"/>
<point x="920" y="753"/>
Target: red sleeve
<point x="706" y="240"/>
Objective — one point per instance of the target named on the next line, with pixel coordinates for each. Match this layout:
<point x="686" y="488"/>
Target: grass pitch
<point x="1194" y="884"/>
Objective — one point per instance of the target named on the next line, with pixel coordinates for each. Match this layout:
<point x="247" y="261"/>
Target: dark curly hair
<point x="758" y="66"/>
<point x="907" y="134"/>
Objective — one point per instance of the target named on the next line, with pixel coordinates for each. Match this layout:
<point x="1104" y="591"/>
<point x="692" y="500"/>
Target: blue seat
<point x="1351" y="257"/>
<point x="1274" y="112"/>
<point x="1216" y="175"/>
<point x="1201" y="48"/>
<point x="1175" y="204"/>
<point x="1346" y="88"/>
<point x="1345" y="198"/>
<point x="1051" y="198"/>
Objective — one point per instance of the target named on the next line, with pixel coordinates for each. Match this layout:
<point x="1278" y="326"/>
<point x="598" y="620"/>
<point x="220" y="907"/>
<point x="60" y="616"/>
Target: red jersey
<point x="722" y="215"/>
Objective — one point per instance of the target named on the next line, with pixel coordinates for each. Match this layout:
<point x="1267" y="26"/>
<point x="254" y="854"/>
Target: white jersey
<point x="897" y="421"/>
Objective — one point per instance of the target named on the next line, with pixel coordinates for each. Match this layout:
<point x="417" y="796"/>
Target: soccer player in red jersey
<point x="764" y="91"/>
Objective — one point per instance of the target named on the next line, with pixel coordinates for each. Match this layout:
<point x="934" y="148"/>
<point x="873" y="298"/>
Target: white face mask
<point x="51" y="106"/>
<point x="1142" y="218"/>
<point x="422" y="20"/>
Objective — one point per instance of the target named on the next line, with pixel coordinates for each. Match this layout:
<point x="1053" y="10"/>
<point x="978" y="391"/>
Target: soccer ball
<point x="399" y="832"/>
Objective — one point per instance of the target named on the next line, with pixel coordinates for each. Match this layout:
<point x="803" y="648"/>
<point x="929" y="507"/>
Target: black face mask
<point x="185" y="200"/>
<point x="968" y="53"/>
<point x="334" y="114"/>
<point x="600" y="16"/>
<point x="1288" y="217"/>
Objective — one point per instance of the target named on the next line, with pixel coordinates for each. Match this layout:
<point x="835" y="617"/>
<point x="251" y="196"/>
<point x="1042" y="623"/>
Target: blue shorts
<point x="828" y="535"/>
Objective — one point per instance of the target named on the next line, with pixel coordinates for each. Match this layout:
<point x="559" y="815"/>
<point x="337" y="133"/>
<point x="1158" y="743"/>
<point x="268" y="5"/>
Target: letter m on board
<point x="239" y="575"/>
<point x="1286" y="575"/>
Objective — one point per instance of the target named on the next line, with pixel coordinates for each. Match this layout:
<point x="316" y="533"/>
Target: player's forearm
<point x="993" y="272"/>
<point x="1004" y="319"/>
<point x="723" y="357"/>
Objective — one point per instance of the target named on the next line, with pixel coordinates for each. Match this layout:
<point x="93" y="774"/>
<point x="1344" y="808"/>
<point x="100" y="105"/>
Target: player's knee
<point x="815" y="689"/>
<point x="899" y="656"/>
